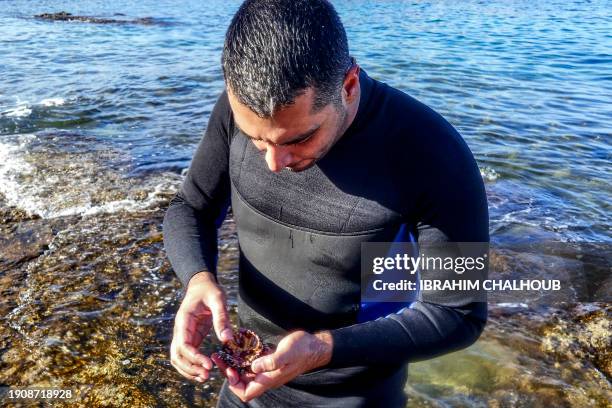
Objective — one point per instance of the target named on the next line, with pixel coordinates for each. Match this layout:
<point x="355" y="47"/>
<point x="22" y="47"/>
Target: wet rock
<point x="527" y="357"/>
<point x="23" y="241"/>
<point x="583" y="270"/>
<point x="97" y="309"/>
<point x="581" y="335"/>
<point x="64" y="16"/>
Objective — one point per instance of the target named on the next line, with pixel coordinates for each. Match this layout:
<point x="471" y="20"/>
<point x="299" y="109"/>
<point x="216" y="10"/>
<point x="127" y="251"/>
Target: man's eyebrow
<point x="297" y="139"/>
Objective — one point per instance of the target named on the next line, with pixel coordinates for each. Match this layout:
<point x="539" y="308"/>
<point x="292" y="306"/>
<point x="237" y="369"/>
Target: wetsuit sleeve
<point x="199" y="207"/>
<point x="452" y="206"/>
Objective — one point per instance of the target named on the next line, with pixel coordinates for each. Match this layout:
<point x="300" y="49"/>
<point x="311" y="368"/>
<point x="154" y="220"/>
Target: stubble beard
<point x="340" y="130"/>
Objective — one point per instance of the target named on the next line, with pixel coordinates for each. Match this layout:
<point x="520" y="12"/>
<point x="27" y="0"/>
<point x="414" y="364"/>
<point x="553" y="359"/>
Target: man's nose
<point x="277" y="157"/>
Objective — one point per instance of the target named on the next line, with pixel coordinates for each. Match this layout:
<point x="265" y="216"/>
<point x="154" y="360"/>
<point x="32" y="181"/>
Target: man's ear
<point x="350" y="88"/>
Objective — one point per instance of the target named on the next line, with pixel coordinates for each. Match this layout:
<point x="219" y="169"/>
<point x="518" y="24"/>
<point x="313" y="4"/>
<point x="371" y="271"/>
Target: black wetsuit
<point x="300" y="235"/>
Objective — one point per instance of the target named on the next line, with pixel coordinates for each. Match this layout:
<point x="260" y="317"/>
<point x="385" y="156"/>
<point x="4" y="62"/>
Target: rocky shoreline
<point x="89" y="302"/>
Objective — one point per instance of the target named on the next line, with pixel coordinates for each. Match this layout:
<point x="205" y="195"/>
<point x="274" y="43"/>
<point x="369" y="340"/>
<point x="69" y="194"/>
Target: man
<point x="316" y="158"/>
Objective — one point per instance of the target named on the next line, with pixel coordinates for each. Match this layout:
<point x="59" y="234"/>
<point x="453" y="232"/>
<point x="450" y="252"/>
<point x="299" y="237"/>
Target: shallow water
<point x="97" y="122"/>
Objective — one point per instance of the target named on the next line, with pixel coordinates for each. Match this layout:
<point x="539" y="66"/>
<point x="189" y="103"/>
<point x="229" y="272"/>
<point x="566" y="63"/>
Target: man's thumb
<point x="268" y="363"/>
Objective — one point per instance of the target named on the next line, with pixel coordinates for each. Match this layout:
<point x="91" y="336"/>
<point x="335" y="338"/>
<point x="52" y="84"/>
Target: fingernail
<point x="256" y="366"/>
<point x="226" y="335"/>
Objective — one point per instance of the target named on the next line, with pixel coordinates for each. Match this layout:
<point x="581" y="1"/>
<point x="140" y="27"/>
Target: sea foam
<point x="39" y="176"/>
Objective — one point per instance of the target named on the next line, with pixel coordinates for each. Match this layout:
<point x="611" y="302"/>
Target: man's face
<point x="295" y="137"/>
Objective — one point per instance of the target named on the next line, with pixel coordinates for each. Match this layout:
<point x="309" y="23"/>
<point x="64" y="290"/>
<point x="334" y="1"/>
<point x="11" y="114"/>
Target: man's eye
<point x="306" y="140"/>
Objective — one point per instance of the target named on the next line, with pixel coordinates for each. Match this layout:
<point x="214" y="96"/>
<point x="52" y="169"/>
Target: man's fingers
<point x="218" y="361"/>
<point x="198" y="378"/>
<point x="230" y="373"/>
<point x="252" y="386"/>
<point x="189" y="370"/>
<point x="191" y="354"/>
<point x="190" y="330"/>
<point x="260" y="384"/>
<point x="235" y="384"/>
<point x="221" y="321"/>
<point x="247" y="377"/>
<point x="239" y="389"/>
<point x="242" y="386"/>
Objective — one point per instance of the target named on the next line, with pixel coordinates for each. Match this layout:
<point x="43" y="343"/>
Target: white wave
<point x="19" y="111"/>
<point x="151" y="201"/>
<point x="53" y="102"/>
<point x="11" y="167"/>
<point x="24" y="109"/>
<point x="55" y="184"/>
<point x="512" y="304"/>
<point x="488" y="174"/>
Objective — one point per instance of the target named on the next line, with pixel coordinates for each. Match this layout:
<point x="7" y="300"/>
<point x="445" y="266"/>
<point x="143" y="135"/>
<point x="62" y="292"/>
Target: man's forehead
<point x="287" y="125"/>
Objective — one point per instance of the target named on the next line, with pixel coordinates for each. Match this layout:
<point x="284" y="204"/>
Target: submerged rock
<point x="64" y="16"/>
<point x="95" y="312"/>
<point x="525" y="357"/>
<point x="582" y="334"/>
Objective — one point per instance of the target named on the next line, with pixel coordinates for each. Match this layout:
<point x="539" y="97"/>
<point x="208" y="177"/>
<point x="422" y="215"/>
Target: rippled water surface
<point x="98" y="121"/>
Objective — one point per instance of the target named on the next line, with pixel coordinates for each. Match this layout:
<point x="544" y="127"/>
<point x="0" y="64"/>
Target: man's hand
<point x="295" y="354"/>
<point x="202" y="308"/>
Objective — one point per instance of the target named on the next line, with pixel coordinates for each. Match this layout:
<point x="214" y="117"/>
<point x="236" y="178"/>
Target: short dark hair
<point x="275" y="49"/>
